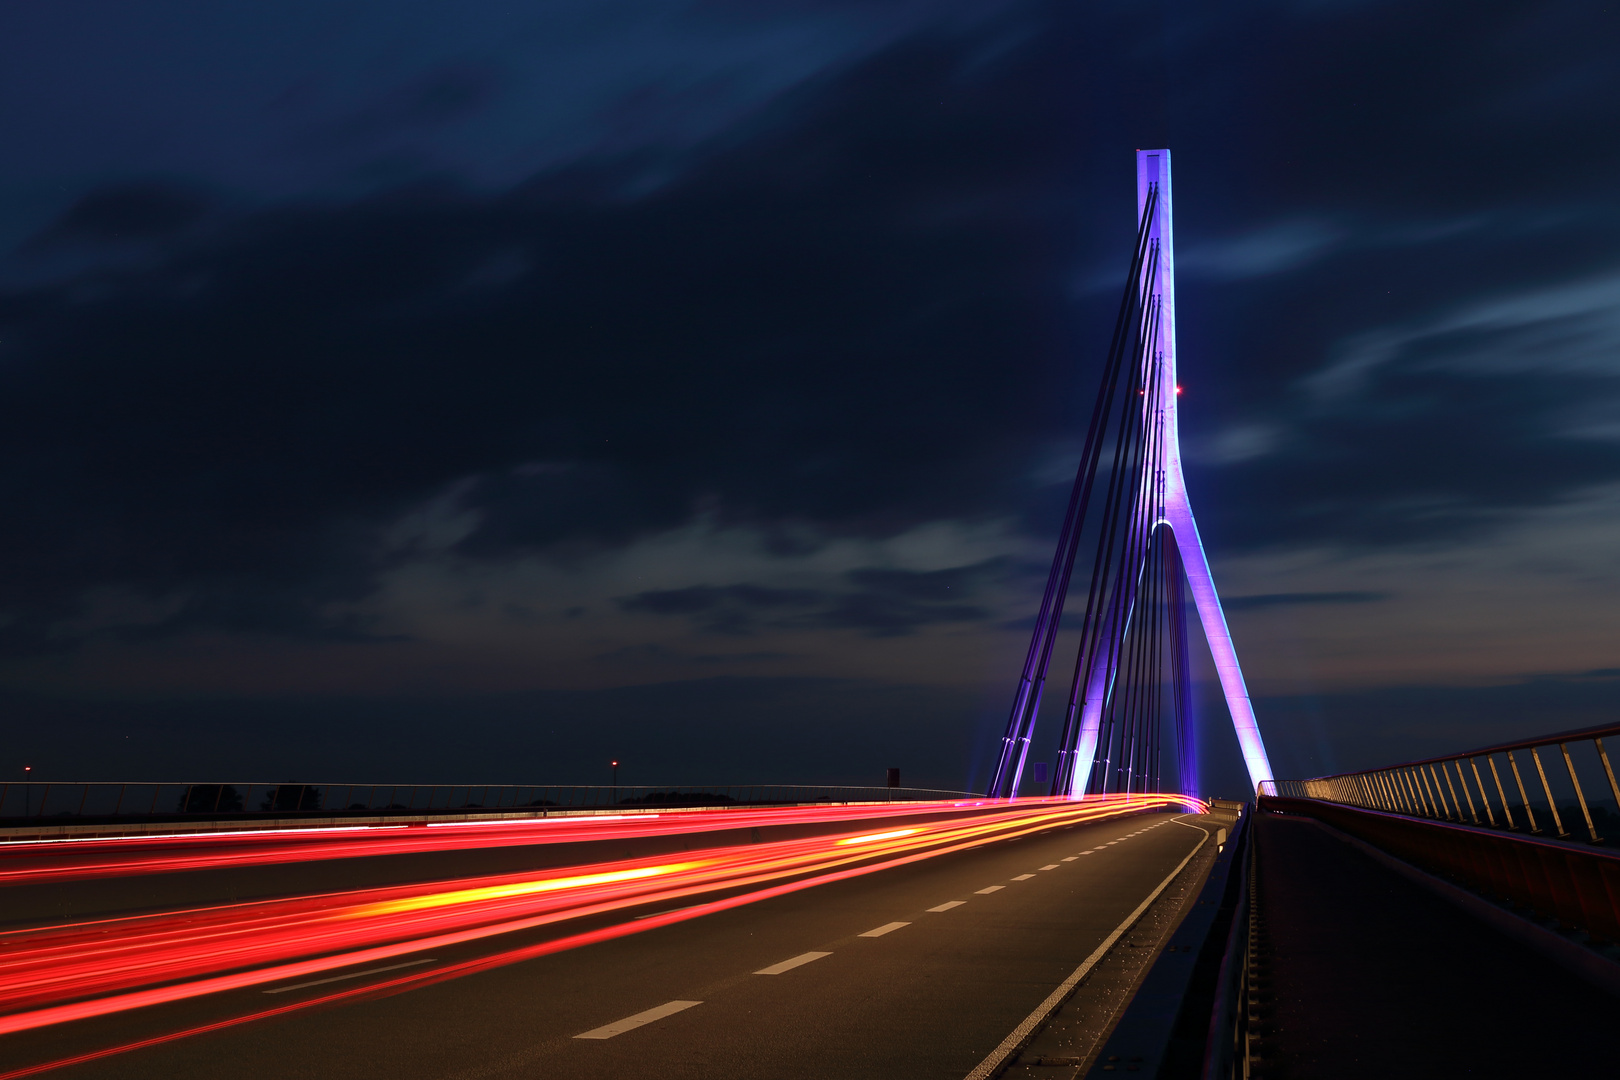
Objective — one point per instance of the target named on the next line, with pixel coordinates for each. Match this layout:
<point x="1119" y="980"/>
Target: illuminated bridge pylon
<point x="1129" y="510"/>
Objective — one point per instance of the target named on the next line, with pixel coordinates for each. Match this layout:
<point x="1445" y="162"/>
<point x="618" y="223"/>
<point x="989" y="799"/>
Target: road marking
<point x="992" y="1064"/>
<point x="351" y="975"/>
<point x="630" y="1023"/>
<point x="1070" y="858"/>
<point x="991" y="889"/>
<point x="1023" y="877"/>
<point x="1088" y="852"/>
<point x="1050" y="866"/>
<point x="789" y="965"/>
<point x="886" y="928"/>
<point x="947" y="905"/>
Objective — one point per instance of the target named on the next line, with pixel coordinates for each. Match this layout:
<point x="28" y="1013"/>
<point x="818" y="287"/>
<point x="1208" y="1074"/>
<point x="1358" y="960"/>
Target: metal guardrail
<point x="62" y="802"/>
<point x="1576" y="884"/>
<point x="1429" y="814"/>
<point x="1188" y="1020"/>
<point x="1426" y="789"/>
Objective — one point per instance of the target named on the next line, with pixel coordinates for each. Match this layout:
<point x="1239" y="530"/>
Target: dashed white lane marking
<point x="350" y="975"/>
<point x="1070" y="858"/>
<point x="991" y="889"/>
<point x="789" y="965"/>
<point x="1050" y="866"/>
<point x="630" y="1023"/>
<point x="886" y="928"/>
<point x="1087" y="852"/>
<point x="1023" y="877"/>
<point x="1020" y="1034"/>
<point x="947" y="905"/>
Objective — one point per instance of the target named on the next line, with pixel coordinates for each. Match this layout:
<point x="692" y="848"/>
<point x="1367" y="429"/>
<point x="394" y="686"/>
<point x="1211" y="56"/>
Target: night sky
<point x="473" y="392"/>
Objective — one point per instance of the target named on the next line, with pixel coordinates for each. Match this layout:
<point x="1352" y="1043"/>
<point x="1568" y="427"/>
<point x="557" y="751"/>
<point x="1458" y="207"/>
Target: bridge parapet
<point x="1428" y="814"/>
<point x="1426" y="789"/>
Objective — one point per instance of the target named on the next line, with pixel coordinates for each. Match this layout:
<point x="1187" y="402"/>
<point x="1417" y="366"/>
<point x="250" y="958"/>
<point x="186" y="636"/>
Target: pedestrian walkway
<point x="1362" y="972"/>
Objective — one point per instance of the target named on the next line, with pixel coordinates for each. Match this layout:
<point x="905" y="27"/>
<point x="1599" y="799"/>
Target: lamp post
<point x="615" y="782"/>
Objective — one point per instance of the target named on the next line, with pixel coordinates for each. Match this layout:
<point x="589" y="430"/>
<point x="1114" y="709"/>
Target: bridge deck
<point x="917" y="971"/>
<point x="1365" y="973"/>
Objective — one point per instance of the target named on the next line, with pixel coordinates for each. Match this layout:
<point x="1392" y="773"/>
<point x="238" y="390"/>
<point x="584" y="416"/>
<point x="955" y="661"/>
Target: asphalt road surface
<point x="919" y="971"/>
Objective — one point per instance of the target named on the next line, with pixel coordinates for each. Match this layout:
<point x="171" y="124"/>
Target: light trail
<point x="101" y="967"/>
<point x="62" y="859"/>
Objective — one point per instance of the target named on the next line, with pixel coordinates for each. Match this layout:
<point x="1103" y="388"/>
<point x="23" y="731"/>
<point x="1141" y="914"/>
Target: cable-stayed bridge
<point x="1116" y="921"/>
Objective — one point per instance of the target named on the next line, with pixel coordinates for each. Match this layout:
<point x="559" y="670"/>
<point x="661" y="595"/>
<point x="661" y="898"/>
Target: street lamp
<point x="615" y="782"/>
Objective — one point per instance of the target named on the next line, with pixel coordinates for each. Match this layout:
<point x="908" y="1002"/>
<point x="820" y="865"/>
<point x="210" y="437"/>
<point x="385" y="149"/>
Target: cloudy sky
<point x="472" y="391"/>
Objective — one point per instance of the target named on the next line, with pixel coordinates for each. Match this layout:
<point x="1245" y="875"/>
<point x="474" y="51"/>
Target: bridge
<point x="1457" y="915"/>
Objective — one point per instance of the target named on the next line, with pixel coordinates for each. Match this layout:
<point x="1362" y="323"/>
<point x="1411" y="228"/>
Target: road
<point x="916" y="971"/>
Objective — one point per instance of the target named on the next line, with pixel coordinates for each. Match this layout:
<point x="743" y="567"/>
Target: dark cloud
<point x="126" y="213"/>
<point x="1268" y="600"/>
<point x="804" y="327"/>
<point x="727" y="609"/>
<point x="884" y="603"/>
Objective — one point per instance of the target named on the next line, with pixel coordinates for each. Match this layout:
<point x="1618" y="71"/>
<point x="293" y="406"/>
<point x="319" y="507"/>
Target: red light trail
<point x="121" y="856"/>
<point x="98" y="967"/>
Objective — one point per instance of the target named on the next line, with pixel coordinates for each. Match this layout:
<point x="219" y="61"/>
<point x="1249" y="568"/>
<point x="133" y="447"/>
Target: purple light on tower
<point x="1153" y="168"/>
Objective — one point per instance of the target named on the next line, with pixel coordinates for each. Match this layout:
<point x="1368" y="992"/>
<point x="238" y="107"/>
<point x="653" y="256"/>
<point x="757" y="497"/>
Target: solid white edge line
<point x="1012" y="1042"/>
<point x="886" y="928"/>
<point x="351" y="975"/>
<point x="630" y="1023"/>
<point x="790" y="964"/>
<point x="947" y="905"/>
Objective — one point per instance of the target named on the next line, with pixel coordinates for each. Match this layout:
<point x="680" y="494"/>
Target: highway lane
<point x="915" y="971"/>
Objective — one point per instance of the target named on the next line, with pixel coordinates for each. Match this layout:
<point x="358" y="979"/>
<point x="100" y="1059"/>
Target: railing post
<point x="1453" y="789"/>
<point x="1580" y="797"/>
<point x="1469" y="795"/>
<point x="1404" y="786"/>
<point x="1452" y="812"/>
<point x="1524" y="798"/>
<point x="1546" y="790"/>
<point x="1608" y="769"/>
<point x="1428" y="796"/>
<point x="1483" y="797"/>
<point x="1507" y="812"/>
